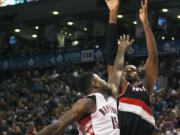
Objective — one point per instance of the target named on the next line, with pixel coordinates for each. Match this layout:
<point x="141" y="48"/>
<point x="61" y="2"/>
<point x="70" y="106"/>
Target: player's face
<point x="130" y="73"/>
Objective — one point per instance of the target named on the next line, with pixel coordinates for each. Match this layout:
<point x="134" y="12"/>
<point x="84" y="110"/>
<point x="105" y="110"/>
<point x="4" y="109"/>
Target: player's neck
<point x="98" y="91"/>
<point x="133" y="82"/>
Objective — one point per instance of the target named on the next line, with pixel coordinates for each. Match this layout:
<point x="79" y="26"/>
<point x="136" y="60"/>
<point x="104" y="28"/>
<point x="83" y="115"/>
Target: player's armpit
<point x="81" y="108"/>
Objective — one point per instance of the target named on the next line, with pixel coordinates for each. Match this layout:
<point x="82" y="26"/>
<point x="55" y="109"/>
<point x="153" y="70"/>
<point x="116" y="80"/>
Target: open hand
<point x="124" y="43"/>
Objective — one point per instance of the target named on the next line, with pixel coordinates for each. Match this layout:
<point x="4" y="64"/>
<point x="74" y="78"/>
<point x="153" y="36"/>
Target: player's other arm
<point x="81" y="108"/>
<point x="151" y="67"/>
<point x="111" y="39"/>
<point x="115" y="79"/>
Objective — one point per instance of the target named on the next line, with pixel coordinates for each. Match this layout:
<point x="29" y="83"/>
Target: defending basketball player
<point x="134" y="109"/>
<point x="96" y="113"/>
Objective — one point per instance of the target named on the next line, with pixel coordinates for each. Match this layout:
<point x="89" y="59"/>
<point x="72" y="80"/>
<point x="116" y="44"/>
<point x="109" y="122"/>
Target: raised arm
<point x="113" y="6"/>
<point x="111" y="40"/>
<point x="81" y="108"/>
<point x="151" y="67"/>
<point x="118" y="67"/>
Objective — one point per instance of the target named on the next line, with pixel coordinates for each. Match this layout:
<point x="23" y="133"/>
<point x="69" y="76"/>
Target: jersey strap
<point x="122" y="93"/>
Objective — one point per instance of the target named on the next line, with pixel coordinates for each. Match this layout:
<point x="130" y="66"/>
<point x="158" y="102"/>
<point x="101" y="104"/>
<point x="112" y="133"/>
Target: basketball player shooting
<point x="134" y="108"/>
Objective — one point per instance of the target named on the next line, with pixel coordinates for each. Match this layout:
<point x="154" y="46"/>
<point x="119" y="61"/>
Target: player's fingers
<point x="121" y="38"/>
<point x="131" y="42"/>
<point x="140" y="11"/>
<point x="124" y="37"/>
<point x="127" y="38"/>
<point x="146" y="3"/>
<point x="119" y="42"/>
<point x="144" y="8"/>
<point x="142" y="4"/>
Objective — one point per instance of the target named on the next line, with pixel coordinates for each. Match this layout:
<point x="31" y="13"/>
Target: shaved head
<point x="132" y="66"/>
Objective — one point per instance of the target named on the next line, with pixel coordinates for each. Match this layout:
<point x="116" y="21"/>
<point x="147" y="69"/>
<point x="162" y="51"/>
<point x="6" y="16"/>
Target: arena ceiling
<point x="28" y="15"/>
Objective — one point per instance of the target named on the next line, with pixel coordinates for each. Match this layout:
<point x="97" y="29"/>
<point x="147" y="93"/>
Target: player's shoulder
<point x="85" y="105"/>
<point x="85" y="101"/>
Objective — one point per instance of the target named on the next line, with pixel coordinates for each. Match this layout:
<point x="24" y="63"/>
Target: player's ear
<point x="94" y="83"/>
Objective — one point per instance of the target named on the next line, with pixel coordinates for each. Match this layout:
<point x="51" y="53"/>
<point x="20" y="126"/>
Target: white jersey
<point x="103" y="121"/>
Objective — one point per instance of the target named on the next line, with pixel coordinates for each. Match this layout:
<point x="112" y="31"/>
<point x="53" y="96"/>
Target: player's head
<point x="90" y="81"/>
<point x="130" y="73"/>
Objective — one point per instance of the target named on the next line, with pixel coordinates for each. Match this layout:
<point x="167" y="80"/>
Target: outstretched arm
<point x="111" y="40"/>
<point x="81" y="108"/>
<point x="113" y="6"/>
<point x="151" y="67"/>
<point x="115" y="79"/>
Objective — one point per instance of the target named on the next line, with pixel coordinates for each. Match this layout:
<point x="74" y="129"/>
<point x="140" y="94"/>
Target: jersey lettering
<point x="138" y="89"/>
<point x="107" y="109"/>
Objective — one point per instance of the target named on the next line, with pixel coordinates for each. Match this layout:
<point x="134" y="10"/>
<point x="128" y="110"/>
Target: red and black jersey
<point x="134" y="111"/>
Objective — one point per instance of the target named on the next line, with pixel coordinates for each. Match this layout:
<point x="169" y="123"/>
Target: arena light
<point x="178" y="16"/>
<point x="165" y="10"/>
<point x="85" y="29"/>
<point x="173" y="38"/>
<point x="134" y="22"/>
<point x="17" y="30"/>
<point x="120" y="16"/>
<point x="74" y="43"/>
<point x="70" y="34"/>
<point x="36" y="27"/>
<point x="70" y="23"/>
<point x="65" y="33"/>
<point x="34" y="36"/>
<point x="55" y="13"/>
<point x="163" y="38"/>
<point x="97" y="46"/>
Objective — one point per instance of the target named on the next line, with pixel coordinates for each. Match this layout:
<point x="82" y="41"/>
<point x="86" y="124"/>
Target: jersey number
<point x="114" y="123"/>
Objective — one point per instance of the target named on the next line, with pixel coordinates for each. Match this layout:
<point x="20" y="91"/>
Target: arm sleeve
<point x="111" y="43"/>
